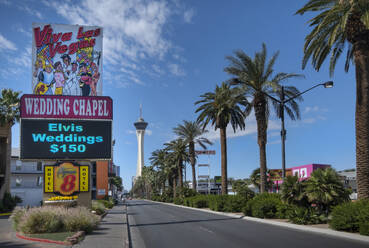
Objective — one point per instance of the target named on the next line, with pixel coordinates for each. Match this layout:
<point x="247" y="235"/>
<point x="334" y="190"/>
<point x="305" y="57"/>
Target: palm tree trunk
<point x="6" y="134"/>
<point x="180" y="173"/>
<point x="361" y="57"/>
<point x="260" y="110"/>
<point x="223" y="148"/>
<point x="175" y="186"/>
<point x="193" y="164"/>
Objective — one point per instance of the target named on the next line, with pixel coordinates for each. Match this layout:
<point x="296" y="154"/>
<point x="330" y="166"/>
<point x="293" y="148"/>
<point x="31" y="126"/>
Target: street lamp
<point x="282" y="102"/>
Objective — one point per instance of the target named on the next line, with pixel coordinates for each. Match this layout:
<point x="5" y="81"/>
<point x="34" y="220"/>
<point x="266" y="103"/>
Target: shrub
<point x="79" y="219"/>
<point x="306" y="216"/>
<point x="200" y="201"/>
<point x="16" y="216"/>
<point x="98" y="207"/>
<point x="9" y="202"/>
<point x="234" y="203"/>
<point x="54" y="219"/>
<point x="217" y="202"/>
<point x="107" y="203"/>
<point x="351" y="217"/>
<point x="186" y="192"/>
<point x="42" y="220"/>
<point x="264" y="205"/>
<point x="178" y="200"/>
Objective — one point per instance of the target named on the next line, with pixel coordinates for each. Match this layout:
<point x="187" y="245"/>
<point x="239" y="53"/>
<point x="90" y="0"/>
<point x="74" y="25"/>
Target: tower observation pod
<point x="140" y="125"/>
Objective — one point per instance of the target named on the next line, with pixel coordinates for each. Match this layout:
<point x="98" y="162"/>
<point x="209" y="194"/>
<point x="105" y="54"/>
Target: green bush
<point x="186" y="192"/>
<point x="351" y="217"/>
<point x="306" y="216"/>
<point x="98" y="207"/>
<point x="264" y="205"/>
<point x="107" y="203"/>
<point x="235" y="203"/>
<point x="200" y="201"/>
<point x="51" y="219"/>
<point x="9" y="202"/>
<point x="217" y="202"/>
<point x="178" y="200"/>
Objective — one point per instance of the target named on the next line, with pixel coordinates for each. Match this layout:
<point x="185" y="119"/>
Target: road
<point x="158" y="225"/>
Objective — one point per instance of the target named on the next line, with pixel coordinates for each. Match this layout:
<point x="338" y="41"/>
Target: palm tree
<point x="9" y="114"/>
<point x="178" y="152"/>
<point x="255" y="78"/>
<point x="325" y="189"/>
<point x="344" y="24"/>
<point x="293" y="191"/>
<point x="158" y="160"/>
<point x="221" y="108"/>
<point x="191" y="133"/>
<point x="255" y="179"/>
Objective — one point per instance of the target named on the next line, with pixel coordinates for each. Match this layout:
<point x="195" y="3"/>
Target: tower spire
<point x="140" y="110"/>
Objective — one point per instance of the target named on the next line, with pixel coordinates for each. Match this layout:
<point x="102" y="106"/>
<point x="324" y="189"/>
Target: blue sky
<point x="164" y="54"/>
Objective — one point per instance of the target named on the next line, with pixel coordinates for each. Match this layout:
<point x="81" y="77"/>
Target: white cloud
<point x="24" y="59"/>
<point x="132" y="28"/>
<point x="251" y="128"/>
<point x="188" y="15"/>
<point x="310" y="109"/>
<point x="30" y="11"/>
<point x="176" y="70"/>
<point x="309" y="120"/>
<point x="5" y="44"/>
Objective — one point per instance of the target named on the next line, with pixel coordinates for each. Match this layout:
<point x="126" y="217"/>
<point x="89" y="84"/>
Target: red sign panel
<point x="67" y="107"/>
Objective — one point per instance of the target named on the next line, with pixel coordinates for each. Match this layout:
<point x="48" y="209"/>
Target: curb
<point x="330" y="232"/>
<point x="127" y="241"/>
<point x="43" y="240"/>
<point x="5" y="214"/>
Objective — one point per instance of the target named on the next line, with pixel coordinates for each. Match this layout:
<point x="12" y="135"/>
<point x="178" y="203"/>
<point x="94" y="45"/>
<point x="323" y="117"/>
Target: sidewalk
<point x="112" y="231"/>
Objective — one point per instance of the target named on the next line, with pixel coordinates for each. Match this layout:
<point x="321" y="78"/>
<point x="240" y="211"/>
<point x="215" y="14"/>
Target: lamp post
<point x="282" y="102"/>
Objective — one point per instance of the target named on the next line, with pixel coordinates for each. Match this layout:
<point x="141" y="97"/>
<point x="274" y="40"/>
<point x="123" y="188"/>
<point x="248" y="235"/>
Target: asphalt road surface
<point x="159" y="225"/>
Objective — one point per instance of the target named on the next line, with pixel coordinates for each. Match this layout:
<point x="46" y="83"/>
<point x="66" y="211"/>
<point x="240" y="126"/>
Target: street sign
<point x="206" y="152"/>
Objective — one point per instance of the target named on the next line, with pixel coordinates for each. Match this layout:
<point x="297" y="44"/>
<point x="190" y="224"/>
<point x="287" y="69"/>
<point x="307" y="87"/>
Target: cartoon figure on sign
<point x="66" y="179"/>
<point x="66" y="64"/>
<point x="95" y="78"/>
<point x="72" y="86"/>
<point x="59" y="78"/>
<point x="85" y="80"/>
<point x="46" y="81"/>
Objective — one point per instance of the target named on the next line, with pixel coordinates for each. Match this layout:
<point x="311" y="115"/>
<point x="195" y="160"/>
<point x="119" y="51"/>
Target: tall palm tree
<point x="158" y="160"/>
<point x="344" y="24"/>
<point x="178" y="151"/>
<point x="255" y="77"/>
<point x="221" y="108"/>
<point x="191" y="133"/>
<point x="9" y="114"/>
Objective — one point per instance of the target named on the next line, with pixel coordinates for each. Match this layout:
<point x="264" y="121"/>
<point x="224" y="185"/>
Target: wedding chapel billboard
<point x="66" y="60"/>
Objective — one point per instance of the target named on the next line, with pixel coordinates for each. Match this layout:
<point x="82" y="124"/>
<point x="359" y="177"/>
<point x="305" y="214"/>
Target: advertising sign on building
<point x="66" y="59"/>
<point x="66" y="179"/>
<point x="53" y="139"/>
<point x="66" y="107"/>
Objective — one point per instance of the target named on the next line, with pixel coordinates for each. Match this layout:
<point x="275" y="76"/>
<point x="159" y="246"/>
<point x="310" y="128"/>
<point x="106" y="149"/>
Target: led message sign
<point x="66" y="178"/>
<point x="49" y="139"/>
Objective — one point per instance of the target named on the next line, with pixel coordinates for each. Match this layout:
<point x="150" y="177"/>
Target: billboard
<point x="53" y="139"/>
<point x="66" y="59"/>
<point x="66" y="178"/>
<point x="66" y="107"/>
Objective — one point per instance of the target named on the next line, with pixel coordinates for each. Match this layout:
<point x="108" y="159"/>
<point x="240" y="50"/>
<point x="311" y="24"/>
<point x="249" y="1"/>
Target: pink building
<point x="303" y="172"/>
